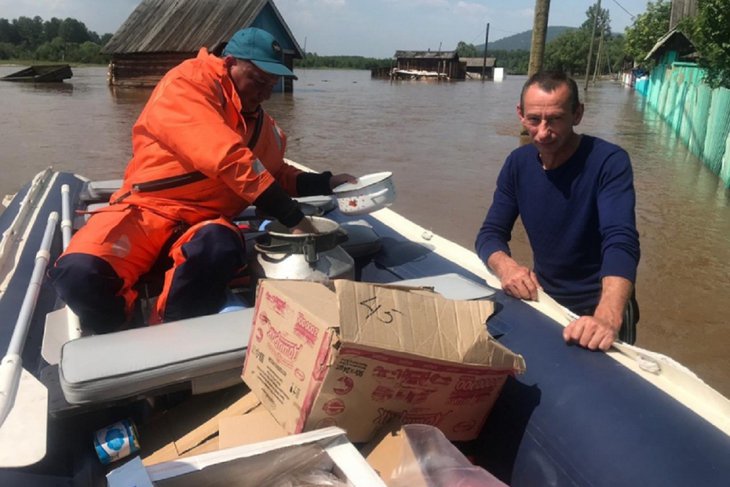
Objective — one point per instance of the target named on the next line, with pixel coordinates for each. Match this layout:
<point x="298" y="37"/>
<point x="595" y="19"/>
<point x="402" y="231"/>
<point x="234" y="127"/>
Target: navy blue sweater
<point x="579" y="219"/>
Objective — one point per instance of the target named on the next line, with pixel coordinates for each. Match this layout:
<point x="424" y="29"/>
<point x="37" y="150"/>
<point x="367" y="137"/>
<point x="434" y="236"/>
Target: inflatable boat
<point x="574" y="417"/>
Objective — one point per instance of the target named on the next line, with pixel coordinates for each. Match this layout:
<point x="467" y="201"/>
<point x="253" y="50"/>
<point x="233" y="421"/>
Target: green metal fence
<point x="699" y="115"/>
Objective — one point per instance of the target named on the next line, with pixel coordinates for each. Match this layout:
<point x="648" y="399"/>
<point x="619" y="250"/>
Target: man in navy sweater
<point x="575" y="195"/>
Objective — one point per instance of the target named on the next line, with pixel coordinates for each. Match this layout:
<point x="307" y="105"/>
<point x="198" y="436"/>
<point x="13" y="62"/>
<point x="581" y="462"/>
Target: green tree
<point x="71" y="30"/>
<point x="615" y="54"/>
<point x="7" y="50"/>
<point x="646" y="30"/>
<point x="51" y="29"/>
<point x="89" y="52"/>
<point x="313" y="60"/>
<point x="52" y="51"/>
<point x="8" y="32"/>
<point x="466" y="50"/>
<point x="513" y="62"/>
<point x="568" y="52"/>
<point x="604" y="21"/>
<point x="55" y="40"/>
<point x="30" y="31"/>
<point x="710" y="35"/>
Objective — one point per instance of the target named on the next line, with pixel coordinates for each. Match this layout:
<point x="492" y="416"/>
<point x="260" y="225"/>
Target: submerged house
<point x="474" y="67"/>
<point x="437" y="64"/>
<point x="160" y="34"/>
<point x="672" y="48"/>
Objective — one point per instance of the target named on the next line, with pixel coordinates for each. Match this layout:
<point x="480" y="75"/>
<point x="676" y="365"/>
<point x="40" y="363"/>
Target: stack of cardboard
<point x="363" y="354"/>
<point x="357" y="356"/>
<point x="205" y="423"/>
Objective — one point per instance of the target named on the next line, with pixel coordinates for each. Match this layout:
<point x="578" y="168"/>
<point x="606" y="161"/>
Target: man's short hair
<point x="549" y="81"/>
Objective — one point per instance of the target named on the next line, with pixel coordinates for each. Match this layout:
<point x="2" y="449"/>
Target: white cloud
<point x="526" y="13"/>
<point x="471" y="9"/>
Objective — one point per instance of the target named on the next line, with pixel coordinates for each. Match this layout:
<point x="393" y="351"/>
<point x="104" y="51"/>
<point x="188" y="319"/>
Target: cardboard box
<point x="363" y="354"/>
<point x="255" y="426"/>
<point x="272" y="462"/>
<point x="192" y="427"/>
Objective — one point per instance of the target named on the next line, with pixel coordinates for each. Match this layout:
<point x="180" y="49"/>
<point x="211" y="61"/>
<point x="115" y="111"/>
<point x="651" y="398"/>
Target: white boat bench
<point x="207" y="351"/>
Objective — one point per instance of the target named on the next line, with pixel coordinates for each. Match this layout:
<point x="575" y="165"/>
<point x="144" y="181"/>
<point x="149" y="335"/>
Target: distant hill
<point x="522" y="41"/>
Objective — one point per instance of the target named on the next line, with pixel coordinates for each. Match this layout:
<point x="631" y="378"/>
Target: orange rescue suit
<point x="192" y="122"/>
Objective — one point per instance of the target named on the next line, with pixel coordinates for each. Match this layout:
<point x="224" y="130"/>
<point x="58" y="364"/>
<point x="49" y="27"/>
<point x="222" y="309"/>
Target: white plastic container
<point x="370" y="193"/>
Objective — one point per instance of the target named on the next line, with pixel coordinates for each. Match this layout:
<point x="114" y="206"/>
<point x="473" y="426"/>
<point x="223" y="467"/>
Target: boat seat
<point x="208" y="350"/>
<point x="100" y="190"/>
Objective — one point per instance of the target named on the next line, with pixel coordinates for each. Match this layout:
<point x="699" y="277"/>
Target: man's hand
<point x="304" y="226"/>
<point x="601" y="330"/>
<point x="592" y="332"/>
<point x="338" y="179"/>
<point x="517" y="280"/>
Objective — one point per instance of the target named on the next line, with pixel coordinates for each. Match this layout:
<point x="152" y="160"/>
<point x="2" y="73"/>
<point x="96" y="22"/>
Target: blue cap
<point x="259" y="47"/>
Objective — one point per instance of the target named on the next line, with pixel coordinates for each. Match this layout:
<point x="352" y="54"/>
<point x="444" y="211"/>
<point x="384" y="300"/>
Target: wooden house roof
<point x="674" y="40"/>
<point x="426" y="55"/>
<point x="478" y="62"/>
<point x="188" y="25"/>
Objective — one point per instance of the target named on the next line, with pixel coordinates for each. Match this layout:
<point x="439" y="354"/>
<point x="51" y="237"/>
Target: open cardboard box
<point x="205" y="423"/>
<point x="363" y="354"/>
<point x="193" y="426"/>
<point x="267" y="463"/>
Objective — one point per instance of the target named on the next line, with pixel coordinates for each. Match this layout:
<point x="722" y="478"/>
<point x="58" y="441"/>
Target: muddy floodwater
<point x="444" y="143"/>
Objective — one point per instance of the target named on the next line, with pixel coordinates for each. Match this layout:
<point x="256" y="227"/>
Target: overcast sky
<point x="375" y="28"/>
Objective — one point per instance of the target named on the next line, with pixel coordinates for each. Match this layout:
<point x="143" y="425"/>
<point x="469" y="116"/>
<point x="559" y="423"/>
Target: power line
<point x="511" y="32"/>
<point x="478" y="37"/>
<point x="622" y="8"/>
<point x="481" y="35"/>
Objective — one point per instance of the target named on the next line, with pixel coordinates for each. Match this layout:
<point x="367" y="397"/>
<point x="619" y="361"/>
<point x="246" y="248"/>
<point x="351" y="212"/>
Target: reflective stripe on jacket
<point x="193" y="122"/>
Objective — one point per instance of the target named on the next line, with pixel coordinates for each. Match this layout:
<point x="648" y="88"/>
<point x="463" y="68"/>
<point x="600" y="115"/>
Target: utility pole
<point x="484" y="65"/>
<point x="598" y="55"/>
<point x="539" y="32"/>
<point x="537" y="48"/>
<point x="608" y="59"/>
<point x="596" y="12"/>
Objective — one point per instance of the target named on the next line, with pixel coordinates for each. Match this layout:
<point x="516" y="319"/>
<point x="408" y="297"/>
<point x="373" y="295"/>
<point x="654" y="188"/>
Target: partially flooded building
<point x="160" y="34"/>
<point x="478" y="67"/>
<point x="425" y="64"/>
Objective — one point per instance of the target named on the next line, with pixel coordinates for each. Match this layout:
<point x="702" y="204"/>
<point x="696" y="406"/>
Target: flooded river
<point x="445" y="144"/>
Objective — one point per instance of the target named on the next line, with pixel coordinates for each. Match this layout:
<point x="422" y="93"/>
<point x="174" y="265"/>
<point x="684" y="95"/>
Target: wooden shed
<point x="443" y="63"/>
<point x="475" y="65"/>
<point x="160" y="34"/>
<point x="671" y="47"/>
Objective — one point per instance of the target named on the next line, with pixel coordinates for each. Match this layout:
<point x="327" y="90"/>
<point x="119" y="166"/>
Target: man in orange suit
<point x="203" y="150"/>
